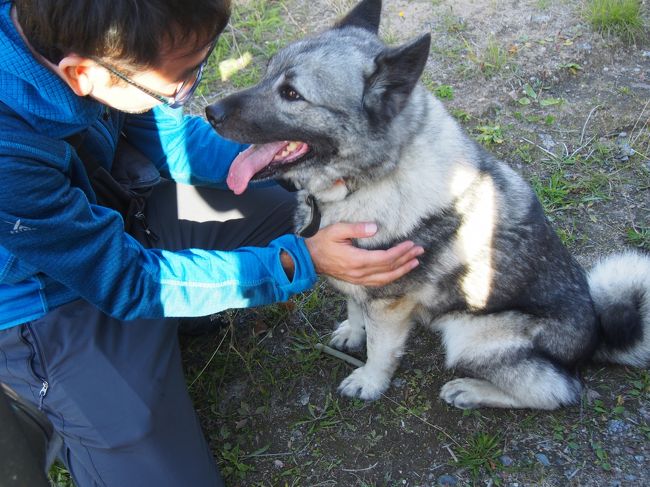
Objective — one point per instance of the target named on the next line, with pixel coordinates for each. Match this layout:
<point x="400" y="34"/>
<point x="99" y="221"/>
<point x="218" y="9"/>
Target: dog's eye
<point x="290" y="94"/>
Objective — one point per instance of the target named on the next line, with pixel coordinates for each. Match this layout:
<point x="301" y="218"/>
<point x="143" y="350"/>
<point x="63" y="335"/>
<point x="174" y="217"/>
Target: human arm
<point x="83" y="246"/>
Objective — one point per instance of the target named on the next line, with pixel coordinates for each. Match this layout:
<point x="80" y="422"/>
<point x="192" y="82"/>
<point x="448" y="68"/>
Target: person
<point x="90" y="295"/>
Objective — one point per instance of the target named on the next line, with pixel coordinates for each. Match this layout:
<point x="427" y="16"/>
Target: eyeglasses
<point x="182" y="94"/>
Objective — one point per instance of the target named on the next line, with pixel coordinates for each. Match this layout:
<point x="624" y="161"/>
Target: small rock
<point x="278" y="464"/>
<point x="304" y="399"/>
<point x="543" y="459"/>
<point x="447" y="480"/>
<point x="631" y="478"/>
<point x="540" y="19"/>
<point x="398" y="383"/>
<point x="592" y="395"/>
<point x="569" y="474"/>
<point x="506" y="461"/>
<point x="645" y="53"/>
<point x="547" y="141"/>
<point x="296" y="435"/>
<point x="615" y="483"/>
<point x="639" y="458"/>
<point x="617" y="426"/>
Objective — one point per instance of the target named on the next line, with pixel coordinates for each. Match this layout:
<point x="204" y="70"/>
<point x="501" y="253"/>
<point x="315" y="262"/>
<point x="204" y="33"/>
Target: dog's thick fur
<point x="515" y="310"/>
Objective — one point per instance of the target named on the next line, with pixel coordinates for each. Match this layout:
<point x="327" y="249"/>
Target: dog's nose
<point x="216" y="114"/>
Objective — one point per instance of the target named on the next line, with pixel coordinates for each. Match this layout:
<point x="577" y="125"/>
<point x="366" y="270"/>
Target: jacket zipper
<point x="42" y="393"/>
<point x="36" y="349"/>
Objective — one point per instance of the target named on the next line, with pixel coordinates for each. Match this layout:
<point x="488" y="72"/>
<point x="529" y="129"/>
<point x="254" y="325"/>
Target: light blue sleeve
<point x="195" y="281"/>
<point x="185" y="148"/>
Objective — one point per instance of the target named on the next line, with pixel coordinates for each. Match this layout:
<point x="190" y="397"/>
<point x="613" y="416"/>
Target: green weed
<point x="481" y="455"/>
<point x="640" y="385"/>
<point x="531" y="96"/>
<point x="444" y="92"/>
<point x="524" y="151"/>
<point x="489" y="134"/>
<point x="602" y="458"/>
<point x="460" y="115"/>
<point x="322" y="418"/>
<point x="59" y="476"/>
<point x="493" y="59"/>
<point x="489" y="61"/>
<point x="233" y="464"/>
<point x="573" y="68"/>
<point x="623" y="18"/>
<point x="639" y="237"/>
<point x="569" y="236"/>
<point x="554" y="192"/>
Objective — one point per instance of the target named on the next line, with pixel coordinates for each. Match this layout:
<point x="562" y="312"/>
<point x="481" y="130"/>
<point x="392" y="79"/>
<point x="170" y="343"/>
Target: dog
<point x="515" y="310"/>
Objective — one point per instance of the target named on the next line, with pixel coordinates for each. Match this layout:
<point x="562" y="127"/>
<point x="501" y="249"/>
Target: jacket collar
<point x="34" y="92"/>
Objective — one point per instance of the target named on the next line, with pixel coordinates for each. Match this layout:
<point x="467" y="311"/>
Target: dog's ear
<point x="366" y="15"/>
<point x="397" y="71"/>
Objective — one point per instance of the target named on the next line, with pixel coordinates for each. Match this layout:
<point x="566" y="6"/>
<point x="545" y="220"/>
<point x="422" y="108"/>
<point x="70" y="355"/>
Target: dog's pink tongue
<point x="250" y="162"/>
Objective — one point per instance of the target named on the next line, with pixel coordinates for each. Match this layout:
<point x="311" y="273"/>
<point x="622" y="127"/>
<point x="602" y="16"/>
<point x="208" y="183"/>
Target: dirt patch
<point x="569" y="110"/>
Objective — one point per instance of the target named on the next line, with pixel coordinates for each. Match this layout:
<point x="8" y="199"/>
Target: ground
<point x="567" y="107"/>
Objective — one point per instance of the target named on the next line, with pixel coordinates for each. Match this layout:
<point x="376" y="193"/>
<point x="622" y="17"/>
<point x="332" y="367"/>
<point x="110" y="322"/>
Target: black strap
<point x="310" y="229"/>
<point x="120" y="196"/>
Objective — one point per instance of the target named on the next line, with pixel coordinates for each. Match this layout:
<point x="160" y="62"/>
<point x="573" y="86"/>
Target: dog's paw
<point x="364" y="383"/>
<point x="348" y="337"/>
<point x="461" y="393"/>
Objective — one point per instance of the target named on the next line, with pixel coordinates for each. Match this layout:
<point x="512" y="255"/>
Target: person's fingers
<point x="347" y="231"/>
<point x="386" y="260"/>
<point x="384" y="271"/>
<point x="381" y="279"/>
<point x="408" y="256"/>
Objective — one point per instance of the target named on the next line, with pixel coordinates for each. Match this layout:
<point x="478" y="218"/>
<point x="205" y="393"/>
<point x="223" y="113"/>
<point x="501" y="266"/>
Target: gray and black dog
<point x="368" y="143"/>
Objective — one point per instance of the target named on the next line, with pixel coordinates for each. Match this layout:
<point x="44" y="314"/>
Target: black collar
<point x="311" y="227"/>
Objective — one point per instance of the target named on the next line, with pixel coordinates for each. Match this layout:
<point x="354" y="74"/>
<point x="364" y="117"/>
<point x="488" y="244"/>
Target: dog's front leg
<point x="387" y="327"/>
<point x="351" y="333"/>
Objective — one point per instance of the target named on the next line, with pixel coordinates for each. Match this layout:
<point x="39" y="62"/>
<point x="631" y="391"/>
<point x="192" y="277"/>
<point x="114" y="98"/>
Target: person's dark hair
<point x="129" y="32"/>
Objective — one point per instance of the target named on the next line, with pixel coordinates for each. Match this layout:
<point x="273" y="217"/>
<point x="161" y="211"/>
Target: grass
<point x="481" y="455"/>
<point x="492" y="59"/>
<point x="441" y="91"/>
<point x="489" y="134"/>
<point x="256" y="31"/>
<point x="553" y="192"/>
<point x="59" y="476"/>
<point x="623" y="18"/>
<point x="639" y="237"/>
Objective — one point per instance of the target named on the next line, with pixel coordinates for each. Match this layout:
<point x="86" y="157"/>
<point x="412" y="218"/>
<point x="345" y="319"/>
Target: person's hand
<point x="334" y="254"/>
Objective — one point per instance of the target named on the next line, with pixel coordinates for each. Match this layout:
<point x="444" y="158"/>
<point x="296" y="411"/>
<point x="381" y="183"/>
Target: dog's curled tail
<point x="620" y="289"/>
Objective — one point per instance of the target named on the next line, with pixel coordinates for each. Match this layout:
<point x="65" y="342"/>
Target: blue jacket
<point x="57" y="245"/>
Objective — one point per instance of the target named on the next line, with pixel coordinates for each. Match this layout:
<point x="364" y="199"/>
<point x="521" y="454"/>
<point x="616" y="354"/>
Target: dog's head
<point x="327" y="103"/>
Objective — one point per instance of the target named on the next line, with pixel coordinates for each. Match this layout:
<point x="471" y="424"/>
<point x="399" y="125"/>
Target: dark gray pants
<point x="115" y="390"/>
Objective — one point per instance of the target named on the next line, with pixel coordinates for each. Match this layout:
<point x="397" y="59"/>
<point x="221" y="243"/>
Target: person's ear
<point x="81" y="74"/>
